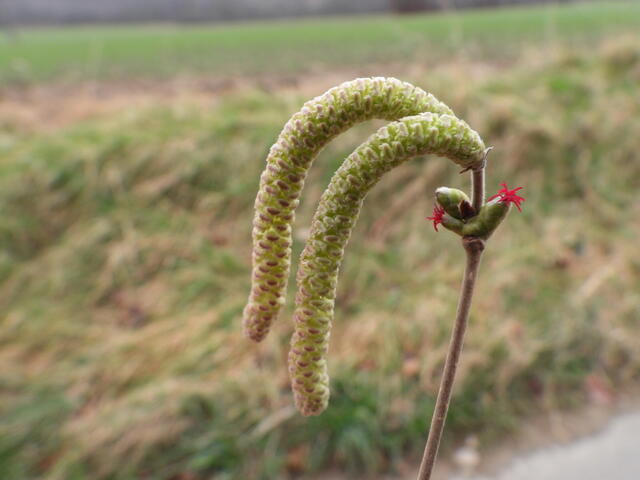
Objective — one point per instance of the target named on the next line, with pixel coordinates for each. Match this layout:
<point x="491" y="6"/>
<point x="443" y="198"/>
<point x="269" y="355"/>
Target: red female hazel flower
<point x="436" y="218"/>
<point x="509" y="196"/>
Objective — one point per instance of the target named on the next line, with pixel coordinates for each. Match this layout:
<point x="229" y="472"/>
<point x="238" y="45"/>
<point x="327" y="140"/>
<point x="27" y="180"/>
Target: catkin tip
<point x="310" y="407"/>
<point x="254" y="327"/>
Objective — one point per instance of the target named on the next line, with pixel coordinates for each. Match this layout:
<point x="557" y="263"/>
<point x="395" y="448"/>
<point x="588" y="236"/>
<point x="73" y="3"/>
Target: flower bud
<point x="482" y="225"/>
<point x="455" y="202"/>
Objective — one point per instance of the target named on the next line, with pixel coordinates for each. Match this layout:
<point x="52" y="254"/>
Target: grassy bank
<point x="124" y="267"/>
<point x="98" y="52"/>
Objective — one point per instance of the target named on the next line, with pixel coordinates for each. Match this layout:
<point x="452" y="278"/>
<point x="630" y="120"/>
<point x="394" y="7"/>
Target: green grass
<point x="124" y="267"/>
<point x="98" y="52"/>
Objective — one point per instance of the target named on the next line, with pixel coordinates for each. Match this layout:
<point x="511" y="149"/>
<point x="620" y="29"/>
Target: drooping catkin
<point x="302" y="138"/>
<point x="339" y="207"/>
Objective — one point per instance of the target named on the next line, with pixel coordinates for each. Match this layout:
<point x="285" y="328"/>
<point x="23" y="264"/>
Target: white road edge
<point x="611" y="454"/>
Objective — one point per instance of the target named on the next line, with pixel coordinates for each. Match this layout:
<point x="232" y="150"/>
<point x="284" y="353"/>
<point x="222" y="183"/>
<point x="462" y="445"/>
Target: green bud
<point x="482" y="225"/>
<point x="453" y="224"/>
<point x="455" y="202"/>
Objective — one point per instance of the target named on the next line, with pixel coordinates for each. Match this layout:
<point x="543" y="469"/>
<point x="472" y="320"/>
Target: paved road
<point x="612" y="454"/>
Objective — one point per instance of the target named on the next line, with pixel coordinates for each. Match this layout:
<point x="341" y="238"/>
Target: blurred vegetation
<point x="124" y="267"/>
<point x="99" y="52"/>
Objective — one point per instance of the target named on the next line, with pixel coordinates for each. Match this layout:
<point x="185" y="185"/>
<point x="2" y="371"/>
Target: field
<point x="125" y="243"/>
<point x="90" y="53"/>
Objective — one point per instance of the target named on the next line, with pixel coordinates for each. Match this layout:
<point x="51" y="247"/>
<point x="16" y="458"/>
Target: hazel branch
<point x="473" y="248"/>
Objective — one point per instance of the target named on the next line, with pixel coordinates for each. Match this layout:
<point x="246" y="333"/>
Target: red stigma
<point x="509" y="196"/>
<point x="436" y="216"/>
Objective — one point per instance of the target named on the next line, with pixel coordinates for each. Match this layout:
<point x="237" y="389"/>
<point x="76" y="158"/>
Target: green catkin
<point x="301" y="139"/>
<point x="339" y="207"/>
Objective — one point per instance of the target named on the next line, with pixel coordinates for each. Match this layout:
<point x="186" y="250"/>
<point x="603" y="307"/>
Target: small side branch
<point x="473" y="247"/>
<point x="477" y="183"/>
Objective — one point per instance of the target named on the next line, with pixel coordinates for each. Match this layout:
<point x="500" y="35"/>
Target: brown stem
<point x="473" y="247"/>
<point x="477" y="182"/>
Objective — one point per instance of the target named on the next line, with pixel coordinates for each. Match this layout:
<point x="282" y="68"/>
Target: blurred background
<point x="132" y="137"/>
